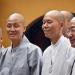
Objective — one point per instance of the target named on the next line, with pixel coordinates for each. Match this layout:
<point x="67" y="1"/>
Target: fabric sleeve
<point x="35" y="61"/>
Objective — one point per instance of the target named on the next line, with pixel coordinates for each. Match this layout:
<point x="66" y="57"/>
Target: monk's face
<point x="72" y="32"/>
<point x="51" y="27"/>
<point x="15" y="28"/>
<point x="65" y="28"/>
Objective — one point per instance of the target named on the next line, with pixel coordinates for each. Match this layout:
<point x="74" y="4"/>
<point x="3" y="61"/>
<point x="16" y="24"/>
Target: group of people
<point x="25" y="58"/>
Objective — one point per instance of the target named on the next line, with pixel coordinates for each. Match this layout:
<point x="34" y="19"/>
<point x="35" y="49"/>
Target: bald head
<point x="16" y="17"/>
<point x="53" y="24"/>
<point x="56" y="14"/>
<point x="15" y="27"/>
<point x="67" y="15"/>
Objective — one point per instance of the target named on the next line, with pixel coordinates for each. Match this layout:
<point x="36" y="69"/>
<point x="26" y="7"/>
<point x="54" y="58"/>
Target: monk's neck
<point x="55" y="40"/>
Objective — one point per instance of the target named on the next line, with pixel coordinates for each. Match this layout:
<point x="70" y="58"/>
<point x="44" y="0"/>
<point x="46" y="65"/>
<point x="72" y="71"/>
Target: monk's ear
<point x="24" y="28"/>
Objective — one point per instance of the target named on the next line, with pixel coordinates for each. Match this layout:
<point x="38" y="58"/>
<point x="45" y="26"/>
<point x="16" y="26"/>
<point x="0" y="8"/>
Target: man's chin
<point x="12" y="38"/>
<point x="47" y="36"/>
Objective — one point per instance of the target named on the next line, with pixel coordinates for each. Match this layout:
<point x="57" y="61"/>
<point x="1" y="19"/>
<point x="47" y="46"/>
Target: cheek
<point x="54" y="29"/>
<point x="20" y="32"/>
<point x="7" y="29"/>
<point x="50" y="27"/>
<point x="73" y="34"/>
<point x="8" y="32"/>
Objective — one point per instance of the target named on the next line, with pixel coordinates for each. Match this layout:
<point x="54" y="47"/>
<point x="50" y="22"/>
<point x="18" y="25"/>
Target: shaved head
<point x="67" y="14"/>
<point x="56" y="14"/>
<point x="15" y="27"/>
<point x="16" y="17"/>
<point x="53" y="24"/>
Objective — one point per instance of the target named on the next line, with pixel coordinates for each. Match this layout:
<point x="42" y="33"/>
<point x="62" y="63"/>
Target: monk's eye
<point x="16" y="25"/>
<point x="9" y="25"/>
<point x="47" y="21"/>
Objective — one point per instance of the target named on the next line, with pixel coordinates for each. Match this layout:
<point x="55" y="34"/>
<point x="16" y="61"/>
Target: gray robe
<point x="22" y="60"/>
<point x="2" y="51"/>
<point x="63" y="60"/>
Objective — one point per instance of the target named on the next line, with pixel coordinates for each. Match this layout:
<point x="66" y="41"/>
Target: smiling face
<point x="72" y="32"/>
<point x="52" y="27"/>
<point x="15" y="27"/>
